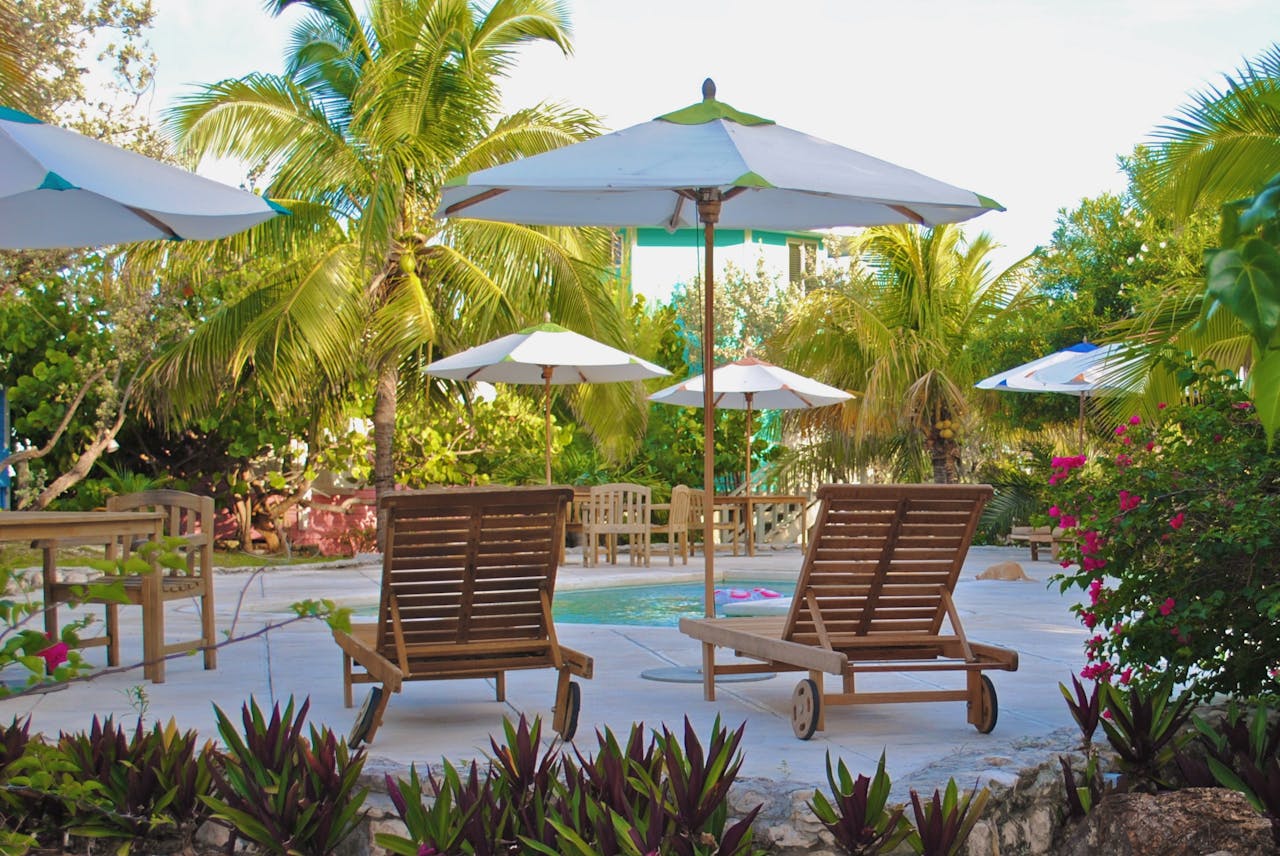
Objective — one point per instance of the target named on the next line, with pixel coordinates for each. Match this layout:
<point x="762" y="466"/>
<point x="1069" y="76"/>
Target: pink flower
<point x="1177" y="520"/>
<point x="1067" y="521"/>
<point x="1129" y="501"/>
<point x="1106" y="714"/>
<point x="55" y="655"/>
<point x="1089" y="619"/>
<point x="1167" y="606"/>
<point x="1120" y="429"/>
<point x="1161" y="406"/>
<point x="1054" y="511"/>
<point x="1135" y="419"/>
<point x="1126" y="675"/>
<point x="1123" y="460"/>
<point x="1242" y="405"/>
<point x="1151" y="445"/>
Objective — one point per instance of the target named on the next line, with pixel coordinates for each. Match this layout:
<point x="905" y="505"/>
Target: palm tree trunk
<point x="384" y="435"/>
<point x="941" y="474"/>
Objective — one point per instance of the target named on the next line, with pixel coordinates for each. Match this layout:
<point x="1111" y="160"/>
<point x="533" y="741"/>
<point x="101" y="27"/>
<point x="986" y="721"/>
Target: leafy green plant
<point x="286" y="793"/>
<point x="857" y="814"/>
<point x="1086" y="708"/>
<point x="943" y="824"/>
<point x="1083" y="796"/>
<point x="661" y="794"/>
<point x="150" y="782"/>
<point x="1246" y="757"/>
<point x="1171" y="533"/>
<point x="1144" y="728"/>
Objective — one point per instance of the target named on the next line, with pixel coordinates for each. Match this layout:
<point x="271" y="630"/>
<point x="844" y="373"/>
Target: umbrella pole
<point x="748" y="517"/>
<point x="709" y="199"/>
<point x="1081" y="422"/>
<point x="546" y="379"/>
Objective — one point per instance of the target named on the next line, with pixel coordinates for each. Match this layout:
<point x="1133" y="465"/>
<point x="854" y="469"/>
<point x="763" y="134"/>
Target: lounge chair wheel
<point x="806" y="704"/>
<point x="573" y="706"/>
<point x="364" y="717"/>
<point x="990" y="711"/>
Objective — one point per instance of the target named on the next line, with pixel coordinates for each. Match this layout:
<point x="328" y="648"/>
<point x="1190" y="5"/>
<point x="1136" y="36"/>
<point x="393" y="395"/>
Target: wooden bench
<point x="1037" y="535"/>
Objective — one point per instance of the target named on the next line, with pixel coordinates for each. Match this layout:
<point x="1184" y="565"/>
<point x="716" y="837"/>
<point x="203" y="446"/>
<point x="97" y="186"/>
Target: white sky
<point x="1026" y="101"/>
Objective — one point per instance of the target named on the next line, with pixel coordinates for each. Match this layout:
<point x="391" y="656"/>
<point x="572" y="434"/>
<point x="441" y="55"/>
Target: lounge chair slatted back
<point x="467" y="585"/>
<point x="881" y="562"/>
<point x="873" y="593"/>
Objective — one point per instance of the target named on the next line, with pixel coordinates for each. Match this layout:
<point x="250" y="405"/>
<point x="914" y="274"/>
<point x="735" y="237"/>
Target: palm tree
<point x="14" y="76"/>
<point x="1224" y="145"/>
<point x="897" y="332"/>
<point x="371" y="117"/>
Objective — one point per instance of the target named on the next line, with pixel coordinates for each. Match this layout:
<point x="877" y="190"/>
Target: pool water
<point x="653" y="606"/>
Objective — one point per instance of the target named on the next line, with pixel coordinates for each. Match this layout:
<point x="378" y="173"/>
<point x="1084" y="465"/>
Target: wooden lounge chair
<point x="188" y="524"/>
<point x="467" y="581"/>
<point x="874" y="589"/>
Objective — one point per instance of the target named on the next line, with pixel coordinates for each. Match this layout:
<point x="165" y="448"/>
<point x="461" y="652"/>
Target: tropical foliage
<point x="371" y="117"/>
<point x="896" y="331"/>
<point x="1172" y="540"/>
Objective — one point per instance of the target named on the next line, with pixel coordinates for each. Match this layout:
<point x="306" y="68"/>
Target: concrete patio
<point x="429" y="721"/>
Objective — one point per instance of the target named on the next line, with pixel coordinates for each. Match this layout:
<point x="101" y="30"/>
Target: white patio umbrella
<point x="63" y="189"/>
<point x="708" y="164"/>
<point x="749" y="384"/>
<point x="1080" y="370"/>
<point x="547" y="354"/>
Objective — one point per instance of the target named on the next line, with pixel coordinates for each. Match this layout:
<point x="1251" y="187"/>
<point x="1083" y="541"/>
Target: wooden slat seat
<point x="873" y="594"/>
<point x="468" y="576"/>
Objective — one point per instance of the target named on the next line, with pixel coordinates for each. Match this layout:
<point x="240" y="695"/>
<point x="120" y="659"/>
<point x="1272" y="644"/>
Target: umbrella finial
<point x="708" y="90"/>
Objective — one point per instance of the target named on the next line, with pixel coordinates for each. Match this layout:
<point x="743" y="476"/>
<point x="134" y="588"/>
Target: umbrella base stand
<point x="693" y="675"/>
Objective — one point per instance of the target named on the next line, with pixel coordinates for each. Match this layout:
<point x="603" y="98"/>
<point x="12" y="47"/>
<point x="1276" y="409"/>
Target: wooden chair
<point x="188" y="518"/>
<point x="613" y="510"/>
<point x="468" y="576"/>
<point x="873" y="592"/>
<point x="676" y="529"/>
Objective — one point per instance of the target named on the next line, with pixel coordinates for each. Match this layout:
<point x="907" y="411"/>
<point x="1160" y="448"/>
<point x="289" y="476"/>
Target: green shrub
<point x="1173" y="538"/>
<point x="284" y="792"/>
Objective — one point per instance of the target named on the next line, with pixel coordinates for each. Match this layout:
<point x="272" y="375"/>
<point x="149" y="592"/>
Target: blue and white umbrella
<point x="60" y="189"/>
<point x="1081" y="369"/>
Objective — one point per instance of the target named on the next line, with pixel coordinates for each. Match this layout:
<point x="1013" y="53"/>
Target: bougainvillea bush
<point x="1175" y="544"/>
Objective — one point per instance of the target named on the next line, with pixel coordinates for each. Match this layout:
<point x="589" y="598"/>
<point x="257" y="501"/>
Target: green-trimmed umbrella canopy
<point x="751" y="384"/>
<point x="708" y="164"/>
<point x="546" y="354"/>
<point x="60" y="189"/>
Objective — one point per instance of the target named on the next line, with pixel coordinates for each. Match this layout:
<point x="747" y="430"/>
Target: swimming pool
<point x="653" y="606"/>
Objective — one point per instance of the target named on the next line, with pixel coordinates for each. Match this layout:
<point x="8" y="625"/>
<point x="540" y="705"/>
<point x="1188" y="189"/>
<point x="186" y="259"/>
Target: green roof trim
<point x="988" y="202"/>
<point x="11" y="115"/>
<point x="652" y="236"/>
<point x="53" y="181"/>
<point x="751" y="179"/>
<point x="709" y="110"/>
<point x="458" y="181"/>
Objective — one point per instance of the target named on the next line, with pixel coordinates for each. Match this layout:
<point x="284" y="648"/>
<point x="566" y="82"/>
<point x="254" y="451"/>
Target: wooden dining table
<point x="109" y="528"/>
<point x="745" y="507"/>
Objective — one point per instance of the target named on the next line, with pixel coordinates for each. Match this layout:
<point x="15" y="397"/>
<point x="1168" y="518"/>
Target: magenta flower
<point x="1177" y="520"/>
<point x="1089" y="619"/>
<point x="1123" y="460"/>
<point x="1167" y="606"/>
<point x="1067" y="521"/>
<point x="1135" y="419"/>
<point x="1120" y="429"/>
<point x="1054" y="511"/>
<point x="1129" y="501"/>
<point x="1126" y="675"/>
<point x="55" y="655"/>
<point x="1161" y="406"/>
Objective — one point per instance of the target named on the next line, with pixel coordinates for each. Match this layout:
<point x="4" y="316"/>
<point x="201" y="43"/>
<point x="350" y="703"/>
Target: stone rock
<point x="1189" y="822"/>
